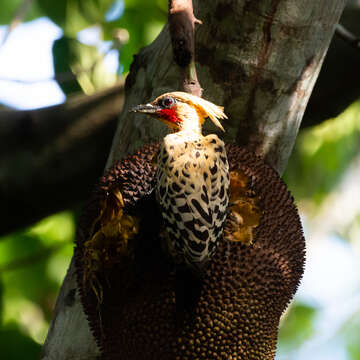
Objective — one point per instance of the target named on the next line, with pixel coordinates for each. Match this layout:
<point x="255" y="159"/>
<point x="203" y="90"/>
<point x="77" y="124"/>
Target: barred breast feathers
<point x="193" y="186"/>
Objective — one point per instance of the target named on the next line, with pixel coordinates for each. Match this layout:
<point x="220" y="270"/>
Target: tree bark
<point x="262" y="70"/>
<point x="259" y="59"/>
<point x="336" y="88"/>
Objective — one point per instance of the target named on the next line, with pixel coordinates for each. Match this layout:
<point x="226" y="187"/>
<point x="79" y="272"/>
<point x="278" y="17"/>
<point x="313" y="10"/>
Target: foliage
<point x="10" y="9"/>
<point x="12" y="339"/>
<point x="33" y="261"/>
<point x="321" y="175"/>
<point x="141" y="20"/>
<point x="351" y="333"/>
<point x="296" y="327"/>
<point x="323" y="154"/>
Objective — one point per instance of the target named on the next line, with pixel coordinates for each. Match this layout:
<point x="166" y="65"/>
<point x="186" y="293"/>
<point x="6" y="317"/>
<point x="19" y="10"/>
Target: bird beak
<point x="146" y="109"/>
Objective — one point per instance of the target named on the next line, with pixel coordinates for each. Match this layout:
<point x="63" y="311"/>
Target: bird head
<point x="182" y="111"/>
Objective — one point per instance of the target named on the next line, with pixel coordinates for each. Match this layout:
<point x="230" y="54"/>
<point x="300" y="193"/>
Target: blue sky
<point x="26" y="57"/>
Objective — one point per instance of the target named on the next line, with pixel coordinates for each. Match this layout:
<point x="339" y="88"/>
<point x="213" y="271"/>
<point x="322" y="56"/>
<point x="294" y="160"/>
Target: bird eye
<point x="167" y="102"/>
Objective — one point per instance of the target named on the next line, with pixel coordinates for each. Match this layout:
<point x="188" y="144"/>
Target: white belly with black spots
<point x="193" y="193"/>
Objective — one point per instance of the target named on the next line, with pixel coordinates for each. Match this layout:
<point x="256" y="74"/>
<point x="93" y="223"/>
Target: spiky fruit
<point x="246" y="287"/>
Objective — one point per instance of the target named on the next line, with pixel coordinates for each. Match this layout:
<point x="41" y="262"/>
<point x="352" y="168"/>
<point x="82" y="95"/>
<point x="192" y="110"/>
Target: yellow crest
<point x="203" y="107"/>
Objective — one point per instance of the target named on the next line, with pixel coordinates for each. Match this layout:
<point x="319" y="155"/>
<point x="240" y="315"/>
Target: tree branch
<point x="260" y="60"/>
<point x="341" y="68"/>
<point x="182" y="33"/>
<point x="263" y="80"/>
<point x="347" y="36"/>
<point x="51" y="157"/>
<point x="326" y="101"/>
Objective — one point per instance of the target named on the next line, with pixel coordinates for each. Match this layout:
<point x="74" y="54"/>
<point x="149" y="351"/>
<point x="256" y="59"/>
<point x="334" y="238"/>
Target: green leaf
<point x="9" y="10"/>
<point x="322" y="155"/>
<point x="64" y="58"/>
<point x="33" y="263"/>
<point x="351" y="331"/>
<point x="66" y="14"/>
<point x="15" y="345"/>
<point x="75" y="15"/>
<point x="142" y="20"/>
<point x="296" y="327"/>
<point x="1" y="300"/>
<point x="84" y="62"/>
<point x="55" y="10"/>
<point x="94" y="10"/>
<point x="27" y="279"/>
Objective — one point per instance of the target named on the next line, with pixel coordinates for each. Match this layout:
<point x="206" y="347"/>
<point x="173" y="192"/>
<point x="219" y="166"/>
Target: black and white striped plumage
<point x="193" y="193"/>
<point x="192" y="177"/>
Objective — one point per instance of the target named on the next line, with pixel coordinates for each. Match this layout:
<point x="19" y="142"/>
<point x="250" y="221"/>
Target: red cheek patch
<point x="169" y="115"/>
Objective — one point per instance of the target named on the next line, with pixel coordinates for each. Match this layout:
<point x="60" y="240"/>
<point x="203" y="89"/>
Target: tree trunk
<point x="260" y="60"/>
